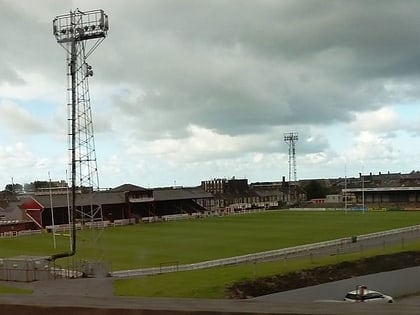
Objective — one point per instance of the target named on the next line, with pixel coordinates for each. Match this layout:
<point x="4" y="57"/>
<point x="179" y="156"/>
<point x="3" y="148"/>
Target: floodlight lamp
<point x="104" y="22"/>
<point x="80" y="30"/>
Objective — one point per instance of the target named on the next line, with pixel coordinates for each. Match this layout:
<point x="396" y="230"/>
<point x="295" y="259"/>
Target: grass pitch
<point x="188" y="241"/>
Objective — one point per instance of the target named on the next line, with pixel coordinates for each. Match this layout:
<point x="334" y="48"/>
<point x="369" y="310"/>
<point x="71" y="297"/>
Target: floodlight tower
<point x="74" y="31"/>
<point x="291" y="138"/>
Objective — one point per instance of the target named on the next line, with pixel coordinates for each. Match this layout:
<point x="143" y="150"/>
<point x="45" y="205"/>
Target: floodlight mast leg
<point x="73" y="144"/>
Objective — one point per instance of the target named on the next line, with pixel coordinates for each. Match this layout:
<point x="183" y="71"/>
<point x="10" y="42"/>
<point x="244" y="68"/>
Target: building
<point x="385" y="191"/>
<point x="233" y="195"/>
<point x="125" y="202"/>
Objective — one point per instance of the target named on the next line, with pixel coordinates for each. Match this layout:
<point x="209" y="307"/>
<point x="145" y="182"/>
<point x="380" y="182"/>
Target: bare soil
<point x="309" y="277"/>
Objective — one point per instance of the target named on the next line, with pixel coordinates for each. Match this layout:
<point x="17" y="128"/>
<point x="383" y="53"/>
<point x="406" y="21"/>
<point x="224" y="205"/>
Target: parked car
<point x="362" y="294"/>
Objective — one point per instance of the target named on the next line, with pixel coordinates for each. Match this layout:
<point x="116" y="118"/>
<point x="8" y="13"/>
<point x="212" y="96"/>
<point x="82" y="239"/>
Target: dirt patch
<point x="309" y="277"/>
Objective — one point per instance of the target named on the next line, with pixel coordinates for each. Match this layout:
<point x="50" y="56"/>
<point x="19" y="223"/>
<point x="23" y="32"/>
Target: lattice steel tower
<point x="80" y="33"/>
<point x="291" y="138"/>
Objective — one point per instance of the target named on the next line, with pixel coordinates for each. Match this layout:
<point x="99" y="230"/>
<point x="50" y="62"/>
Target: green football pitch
<point x="188" y="241"/>
<point x="195" y="240"/>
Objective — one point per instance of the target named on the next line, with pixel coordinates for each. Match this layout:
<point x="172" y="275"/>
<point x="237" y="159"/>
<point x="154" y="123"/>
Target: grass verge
<point x="211" y="283"/>
<point x="13" y="290"/>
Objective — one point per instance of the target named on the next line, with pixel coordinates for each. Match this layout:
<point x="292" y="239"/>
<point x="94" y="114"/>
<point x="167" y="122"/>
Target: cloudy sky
<point x="186" y="91"/>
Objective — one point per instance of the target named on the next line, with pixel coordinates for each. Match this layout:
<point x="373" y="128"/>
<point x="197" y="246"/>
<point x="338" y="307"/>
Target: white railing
<point x="62" y="227"/>
<point x="262" y="256"/>
<point x="19" y="233"/>
<point x="97" y="224"/>
<point x="175" y="217"/>
<point x="414" y="228"/>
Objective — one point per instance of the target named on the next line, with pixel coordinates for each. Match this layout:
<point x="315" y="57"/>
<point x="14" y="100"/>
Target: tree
<point x="14" y="187"/>
<point x="37" y="185"/>
<point x="315" y="189"/>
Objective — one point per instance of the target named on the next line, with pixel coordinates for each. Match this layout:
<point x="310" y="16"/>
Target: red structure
<point x="33" y="210"/>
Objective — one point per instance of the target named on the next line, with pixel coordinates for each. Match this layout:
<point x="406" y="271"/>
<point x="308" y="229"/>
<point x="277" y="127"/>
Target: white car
<point x="362" y="294"/>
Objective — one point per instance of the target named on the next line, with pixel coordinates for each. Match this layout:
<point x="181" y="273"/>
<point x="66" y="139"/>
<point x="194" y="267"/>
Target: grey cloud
<point x="28" y="42"/>
<point x="267" y="63"/>
<point x="237" y="67"/>
<point x="8" y="74"/>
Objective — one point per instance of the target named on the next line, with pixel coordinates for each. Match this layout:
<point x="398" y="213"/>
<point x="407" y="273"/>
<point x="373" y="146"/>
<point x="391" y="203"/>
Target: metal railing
<point x="19" y="233"/>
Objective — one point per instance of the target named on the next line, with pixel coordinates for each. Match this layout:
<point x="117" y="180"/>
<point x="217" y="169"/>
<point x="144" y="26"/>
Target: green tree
<point x="36" y="185"/>
<point x="14" y="187"/>
<point x="315" y="189"/>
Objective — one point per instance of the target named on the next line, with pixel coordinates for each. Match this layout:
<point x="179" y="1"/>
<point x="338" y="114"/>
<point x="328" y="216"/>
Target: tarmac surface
<point x="95" y="296"/>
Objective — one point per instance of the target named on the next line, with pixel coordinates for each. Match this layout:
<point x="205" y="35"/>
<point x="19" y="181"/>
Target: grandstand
<point x="126" y="202"/>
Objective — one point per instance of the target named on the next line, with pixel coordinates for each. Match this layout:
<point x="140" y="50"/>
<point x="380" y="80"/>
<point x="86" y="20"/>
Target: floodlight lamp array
<point x="78" y="26"/>
<point x="291" y="137"/>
